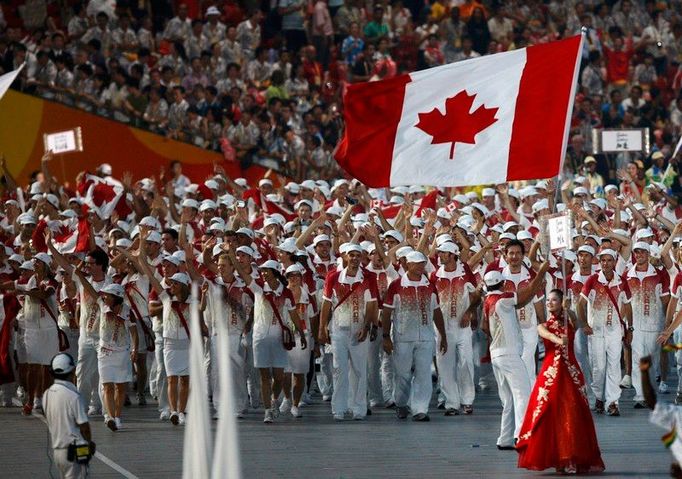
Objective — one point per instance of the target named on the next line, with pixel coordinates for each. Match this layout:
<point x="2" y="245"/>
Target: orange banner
<point x="24" y="119"/>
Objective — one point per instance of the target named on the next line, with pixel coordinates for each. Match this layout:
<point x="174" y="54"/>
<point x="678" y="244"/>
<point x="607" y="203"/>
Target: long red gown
<point x="558" y="430"/>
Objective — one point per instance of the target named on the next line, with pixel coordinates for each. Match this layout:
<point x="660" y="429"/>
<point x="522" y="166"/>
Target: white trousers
<point x="238" y="370"/>
<point x="530" y="345"/>
<point x="644" y="344"/>
<point x="374" y="388"/>
<point x="605" y="354"/>
<point x="87" y="374"/>
<point x="350" y="374"/>
<point x="412" y="361"/>
<point x="677" y="338"/>
<point x="456" y="369"/>
<point x="581" y="354"/>
<point x="325" y="377"/>
<point x="252" y="375"/>
<point x="68" y="470"/>
<point x="513" y="386"/>
<point x="160" y="378"/>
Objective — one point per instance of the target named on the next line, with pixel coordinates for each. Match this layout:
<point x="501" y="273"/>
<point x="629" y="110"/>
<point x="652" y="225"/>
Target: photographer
<point x="66" y="419"/>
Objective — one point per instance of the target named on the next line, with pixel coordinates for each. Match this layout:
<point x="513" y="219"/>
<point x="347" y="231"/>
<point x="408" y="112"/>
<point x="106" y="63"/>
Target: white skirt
<point x="298" y="358"/>
<point x="114" y="366"/>
<point x="176" y="356"/>
<point x="268" y="351"/>
<point x="41" y="345"/>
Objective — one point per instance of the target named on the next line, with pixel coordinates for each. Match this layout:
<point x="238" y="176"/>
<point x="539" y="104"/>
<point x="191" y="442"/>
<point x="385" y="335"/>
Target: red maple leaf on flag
<point x="458" y="124"/>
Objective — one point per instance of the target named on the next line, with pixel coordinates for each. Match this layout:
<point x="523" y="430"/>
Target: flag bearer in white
<point x="350" y="302"/>
<point x="228" y="300"/>
<point x="94" y="267"/>
<point x="455" y="284"/>
<point x="517" y="275"/>
<point x="411" y="307"/>
<point x="506" y="346"/>
<point x="605" y="306"/>
<point x="650" y="296"/>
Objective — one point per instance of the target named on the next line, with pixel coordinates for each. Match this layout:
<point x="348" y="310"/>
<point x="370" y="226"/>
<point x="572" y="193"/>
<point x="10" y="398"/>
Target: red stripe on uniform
<point x="537" y="141"/>
<point x="372" y="112"/>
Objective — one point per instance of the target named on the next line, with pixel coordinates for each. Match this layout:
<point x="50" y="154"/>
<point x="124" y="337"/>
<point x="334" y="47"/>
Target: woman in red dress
<point x="558" y="430"/>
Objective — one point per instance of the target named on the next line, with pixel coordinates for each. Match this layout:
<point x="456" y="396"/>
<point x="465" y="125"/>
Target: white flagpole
<point x="197" y="450"/>
<point x="8" y="78"/>
<point x="226" y="464"/>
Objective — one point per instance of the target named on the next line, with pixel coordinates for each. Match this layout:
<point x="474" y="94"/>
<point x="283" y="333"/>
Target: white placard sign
<point x="559" y="229"/>
<point x="63" y="141"/>
<point x="621" y="140"/>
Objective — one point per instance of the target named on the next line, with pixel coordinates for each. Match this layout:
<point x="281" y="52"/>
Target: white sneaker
<point x="295" y="412"/>
<point x="626" y="382"/>
<point x="274" y="407"/>
<point x="37" y="404"/>
<point x="663" y="388"/>
<point x="181" y="419"/>
<point x="21" y="393"/>
<point x="268" y="416"/>
<point x="285" y="406"/>
<point x="118" y="422"/>
<point x="93" y="411"/>
<point x="306" y="400"/>
<point x="164" y="416"/>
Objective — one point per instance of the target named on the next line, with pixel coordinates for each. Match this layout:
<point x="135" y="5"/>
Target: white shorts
<point x="298" y="358"/>
<point x="176" y="356"/>
<point x="114" y="366"/>
<point x="268" y="351"/>
<point x="41" y="345"/>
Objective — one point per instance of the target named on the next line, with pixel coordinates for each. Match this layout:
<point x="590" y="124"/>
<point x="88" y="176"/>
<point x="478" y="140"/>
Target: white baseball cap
<point x="448" y="247"/>
<point x="396" y="235"/>
<point x="320" y="238"/>
<point x="113" y="288"/>
<point x="416" y="257"/>
<point x="271" y="264"/>
<point x="609" y="252"/>
<point x="246" y="250"/>
<point x="181" y="278"/>
<point x="641" y="245"/>
<point x="154" y="237"/>
<point x="44" y="257"/>
<point x="190" y="203"/>
<point x="524" y="235"/>
<point x="403" y="251"/>
<point x="586" y="249"/>
<point x="493" y="277"/>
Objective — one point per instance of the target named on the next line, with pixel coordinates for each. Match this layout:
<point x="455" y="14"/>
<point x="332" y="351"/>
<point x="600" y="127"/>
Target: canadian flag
<point x="487" y="120"/>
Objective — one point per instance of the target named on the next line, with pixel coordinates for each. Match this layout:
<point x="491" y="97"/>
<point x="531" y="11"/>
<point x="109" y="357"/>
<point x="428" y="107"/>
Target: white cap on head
<point x="212" y="10"/>
<point x="26" y="219"/>
<point x="528" y="191"/>
<point x="296" y="268"/>
<point x="17" y="258"/>
<point x="488" y="192"/>
<point x="335" y="210"/>
<point x="320" y="238"/>
<point x="171" y="259"/>
<point x="608" y="252"/>
<point x="540" y="205"/>
<point x="524" y="235"/>
<point x="608" y="188"/>
<point x="124" y="243"/>
<point x="271" y="264"/>
<point x="448" y="247"/>
<point x="150" y="222"/>
<point x="443" y="213"/>
<point x="463" y="199"/>
<point x="641" y="245"/>
<point x="644" y="233"/>
<point x="270" y="222"/>
<point x="599" y="203"/>
<point x="211" y="184"/>
<point x="154" y="237"/>
<point x="416" y="257"/>
<point x="292" y="188"/>
<point x="44" y="257"/>
<point x="493" y="277"/>
<point x="569" y="255"/>
<point x="288" y="245"/>
<point x="308" y="185"/>
<point x="241" y="182"/>
<point x="245" y="231"/>
<point x="300" y="203"/>
<point x="443" y="238"/>
<point x="27" y="265"/>
<point x="181" y="278"/>
<point x="350" y="247"/>
<point x="509" y="236"/>
<point x="403" y="251"/>
<point x="62" y="364"/>
<point x="580" y="190"/>
<point x="114" y="289"/>
<point x="396" y="235"/>
<point x="207" y="205"/>
<point x="509" y="225"/>
<point x="586" y="249"/>
<point x="190" y="203"/>
<point x="105" y="169"/>
<point x="246" y="250"/>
